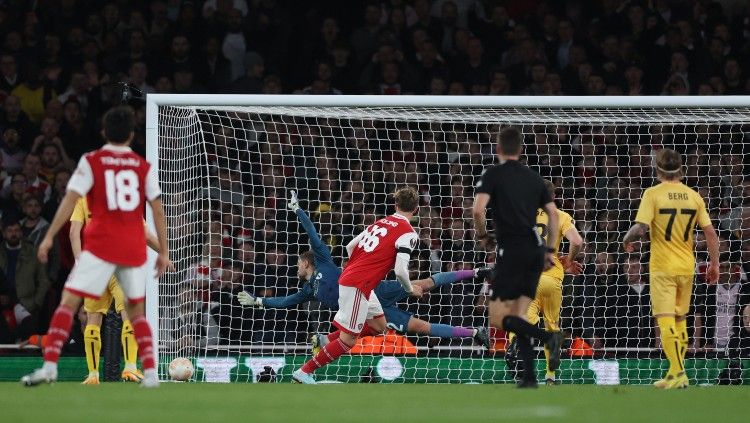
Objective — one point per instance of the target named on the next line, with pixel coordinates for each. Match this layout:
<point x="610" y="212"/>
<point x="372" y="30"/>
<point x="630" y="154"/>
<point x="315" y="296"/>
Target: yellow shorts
<point x="113" y="292"/>
<point x="670" y="294"/>
<point x="548" y="301"/>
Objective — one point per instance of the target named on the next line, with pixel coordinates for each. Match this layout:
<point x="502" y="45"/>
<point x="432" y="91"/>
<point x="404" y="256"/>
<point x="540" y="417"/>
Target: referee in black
<point x="515" y="193"/>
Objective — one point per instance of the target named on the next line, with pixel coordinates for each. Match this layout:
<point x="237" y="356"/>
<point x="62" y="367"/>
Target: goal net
<point x="227" y="173"/>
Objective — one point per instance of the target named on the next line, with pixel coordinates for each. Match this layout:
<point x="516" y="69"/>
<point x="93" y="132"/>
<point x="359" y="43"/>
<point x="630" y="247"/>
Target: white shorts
<point x="90" y="276"/>
<point x="355" y="309"/>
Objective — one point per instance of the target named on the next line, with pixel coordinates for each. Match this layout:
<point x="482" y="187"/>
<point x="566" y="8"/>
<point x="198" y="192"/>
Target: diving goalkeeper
<point x="321" y="276"/>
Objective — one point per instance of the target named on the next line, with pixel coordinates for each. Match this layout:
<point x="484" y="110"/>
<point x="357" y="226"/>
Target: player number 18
<point x="122" y="190"/>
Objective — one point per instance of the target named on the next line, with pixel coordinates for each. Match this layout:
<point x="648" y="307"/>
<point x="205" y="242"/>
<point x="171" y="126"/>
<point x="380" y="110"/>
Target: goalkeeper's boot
<point x="40" y="376"/>
<point x="150" y="379"/>
<point x="677" y="381"/>
<point x="482" y="337"/>
<point x="483" y="273"/>
<point x="132" y="375"/>
<point x="554" y="344"/>
<point x="551" y="381"/>
<point x="318" y="341"/>
<point x="301" y="377"/>
<point x="91" y="379"/>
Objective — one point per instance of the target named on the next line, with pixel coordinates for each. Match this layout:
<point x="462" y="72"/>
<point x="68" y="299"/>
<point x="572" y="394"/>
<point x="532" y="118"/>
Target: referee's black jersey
<point x="516" y="192"/>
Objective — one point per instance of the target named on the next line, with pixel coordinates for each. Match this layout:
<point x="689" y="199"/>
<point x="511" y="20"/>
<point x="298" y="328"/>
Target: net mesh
<point x="227" y="173"/>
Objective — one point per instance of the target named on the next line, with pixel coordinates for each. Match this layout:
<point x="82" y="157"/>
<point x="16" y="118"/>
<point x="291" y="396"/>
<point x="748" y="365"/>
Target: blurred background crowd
<point x="61" y="61"/>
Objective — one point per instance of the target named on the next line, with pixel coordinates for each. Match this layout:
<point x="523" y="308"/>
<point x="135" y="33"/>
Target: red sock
<point x="58" y="333"/>
<point x="326" y="355"/>
<point x="145" y="344"/>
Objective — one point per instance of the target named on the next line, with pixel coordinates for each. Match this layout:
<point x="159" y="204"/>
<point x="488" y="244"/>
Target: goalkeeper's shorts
<point x="102" y="305"/>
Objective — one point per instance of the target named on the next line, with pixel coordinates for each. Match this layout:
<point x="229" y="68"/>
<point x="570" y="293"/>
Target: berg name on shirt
<point x="120" y="161"/>
<point x="683" y="196"/>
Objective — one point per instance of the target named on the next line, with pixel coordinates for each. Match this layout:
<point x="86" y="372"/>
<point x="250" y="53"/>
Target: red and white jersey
<point x="116" y="182"/>
<point x="374" y="254"/>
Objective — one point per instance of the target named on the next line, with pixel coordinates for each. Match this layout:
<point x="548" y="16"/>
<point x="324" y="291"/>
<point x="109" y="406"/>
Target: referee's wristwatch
<point x="550" y="250"/>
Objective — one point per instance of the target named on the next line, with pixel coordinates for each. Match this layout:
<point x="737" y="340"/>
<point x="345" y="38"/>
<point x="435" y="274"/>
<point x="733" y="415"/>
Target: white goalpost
<point x="227" y="165"/>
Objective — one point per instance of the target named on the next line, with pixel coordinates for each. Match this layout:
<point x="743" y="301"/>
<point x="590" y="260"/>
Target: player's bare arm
<point x="576" y="245"/>
<point x="634" y="234"/>
<point x="712" y="242"/>
<point x="62" y="215"/>
<point x="75" y="237"/>
<point x="479" y="212"/>
<point x="162" y="261"/>
<point x="553" y="225"/>
<point x="153" y="242"/>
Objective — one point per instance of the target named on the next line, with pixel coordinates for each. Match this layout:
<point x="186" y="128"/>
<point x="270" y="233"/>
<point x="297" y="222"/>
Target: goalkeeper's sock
<point x="682" y="333"/>
<point x="58" y="333"/>
<point x="521" y="327"/>
<point x="447" y="278"/>
<point x="448" y="331"/>
<point x="145" y="344"/>
<point x="92" y="343"/>
<point x="550" y="374"/>
<point x="326" y="355"/>
<point x="129" y="345"/>
<point x="670" y="342"/>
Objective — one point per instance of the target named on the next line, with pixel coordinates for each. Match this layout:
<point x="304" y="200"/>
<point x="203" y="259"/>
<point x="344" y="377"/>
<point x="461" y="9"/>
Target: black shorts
<point x="517" y="271"/>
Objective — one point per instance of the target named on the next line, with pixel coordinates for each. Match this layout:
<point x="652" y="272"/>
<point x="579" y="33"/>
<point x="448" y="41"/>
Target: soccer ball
<point x="181" y="369"/>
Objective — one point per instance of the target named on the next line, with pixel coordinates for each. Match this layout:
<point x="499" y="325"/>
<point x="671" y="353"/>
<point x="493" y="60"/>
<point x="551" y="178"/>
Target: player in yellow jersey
<point x="548" y="298"/>
<point x="95" y="309"/>
<point x="670" y="211"/>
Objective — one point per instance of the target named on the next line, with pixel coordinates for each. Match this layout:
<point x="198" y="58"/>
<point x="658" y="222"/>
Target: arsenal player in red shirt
<point x="116" y="182"/>
<point x="387" y="244"/>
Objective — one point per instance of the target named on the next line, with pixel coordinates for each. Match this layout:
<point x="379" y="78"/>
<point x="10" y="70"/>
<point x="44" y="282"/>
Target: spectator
<point x="33" y="93"/>
<point x="62" y="176"/>
<point x="10" y="78"/>
<point x="13" y="117"/>
<point x="11" y="203"/>
<point x="33" y="225"/>
<point x="11" y="154"/>
<point x="252" y="81"/>
<point x="34" y="184"/>
<point x="235" y="45"/>
<point x="627" y="309"/>
<point x="25" y="280"/>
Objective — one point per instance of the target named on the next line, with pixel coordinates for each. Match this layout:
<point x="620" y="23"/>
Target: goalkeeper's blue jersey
<point x="325" y="281"/>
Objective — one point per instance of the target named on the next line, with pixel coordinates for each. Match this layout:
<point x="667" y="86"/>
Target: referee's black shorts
<point x="517" y="270"/>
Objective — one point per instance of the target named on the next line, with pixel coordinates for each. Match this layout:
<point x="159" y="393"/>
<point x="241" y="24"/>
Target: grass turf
<point x="115" y="402"/>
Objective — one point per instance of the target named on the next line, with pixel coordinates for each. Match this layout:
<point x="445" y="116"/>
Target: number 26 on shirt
<point x="371" y="238"/>
<point x="122" y="189"/>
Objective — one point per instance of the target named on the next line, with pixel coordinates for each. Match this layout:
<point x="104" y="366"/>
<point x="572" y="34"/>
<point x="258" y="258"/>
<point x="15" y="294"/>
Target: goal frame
<point x="153" y="101"/>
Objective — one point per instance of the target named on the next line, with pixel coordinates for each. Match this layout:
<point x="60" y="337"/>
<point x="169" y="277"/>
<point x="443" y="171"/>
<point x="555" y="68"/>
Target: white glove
<point x="248" y="300"/>
<point x="293" y="203"/>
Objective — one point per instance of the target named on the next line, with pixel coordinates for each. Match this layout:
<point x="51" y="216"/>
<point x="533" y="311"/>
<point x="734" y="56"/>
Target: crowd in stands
<point x="61" y="60"/>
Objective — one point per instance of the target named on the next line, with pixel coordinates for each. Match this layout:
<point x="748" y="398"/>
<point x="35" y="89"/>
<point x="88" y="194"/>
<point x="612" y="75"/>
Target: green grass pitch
<point x="202" y="402"/>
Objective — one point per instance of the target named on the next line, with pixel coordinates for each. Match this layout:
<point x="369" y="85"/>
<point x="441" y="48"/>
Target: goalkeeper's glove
<point x="248" y="300"/>
<point x="293" y="202"/>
